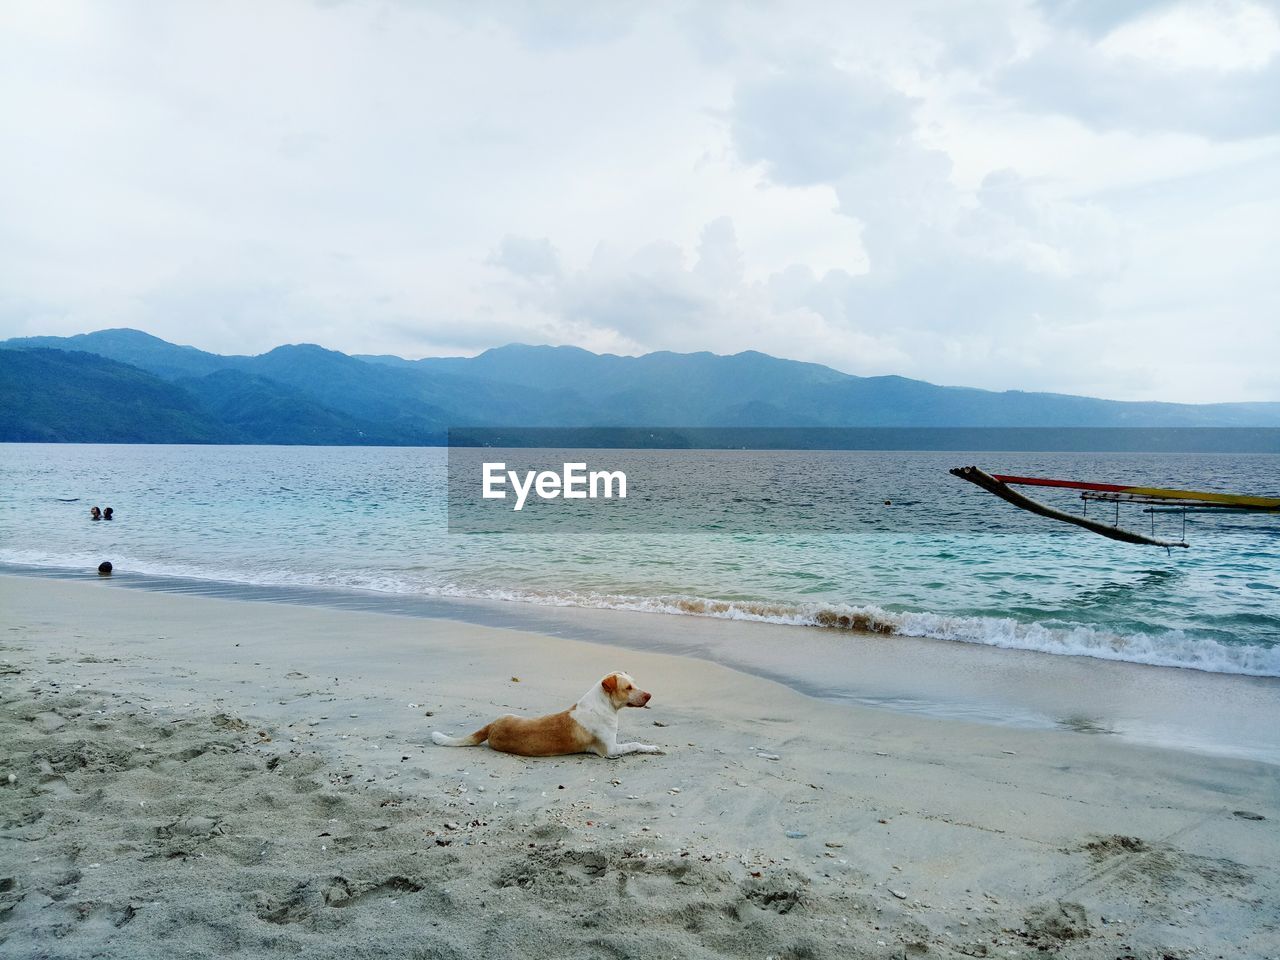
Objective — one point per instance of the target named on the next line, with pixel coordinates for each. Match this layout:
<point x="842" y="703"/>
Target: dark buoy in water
<point x="888" y="503"/>
<point x="104" y="568"/>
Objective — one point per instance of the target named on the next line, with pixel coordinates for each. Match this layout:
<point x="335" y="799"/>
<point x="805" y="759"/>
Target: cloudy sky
<point x="1071" y="195"/>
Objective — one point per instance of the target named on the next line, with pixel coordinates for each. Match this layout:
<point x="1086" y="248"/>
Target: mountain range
<point x="126" y="386"/>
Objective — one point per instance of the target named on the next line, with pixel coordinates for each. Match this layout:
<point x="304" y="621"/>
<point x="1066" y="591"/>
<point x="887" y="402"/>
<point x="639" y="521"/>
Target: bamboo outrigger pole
<point x="1115" y="491"/>
<point x="1005" y="492"/>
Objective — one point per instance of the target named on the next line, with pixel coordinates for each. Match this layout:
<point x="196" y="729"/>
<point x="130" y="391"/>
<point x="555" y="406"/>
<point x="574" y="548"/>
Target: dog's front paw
<point x="650" y="748"/>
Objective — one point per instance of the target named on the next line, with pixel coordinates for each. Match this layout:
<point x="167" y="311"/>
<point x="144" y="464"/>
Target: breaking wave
<point x="1164" y="648"/>
<point x="1170" y="648"/>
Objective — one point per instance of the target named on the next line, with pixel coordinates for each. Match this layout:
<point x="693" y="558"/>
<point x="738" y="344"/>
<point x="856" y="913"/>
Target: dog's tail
<point x="480" y="736"/>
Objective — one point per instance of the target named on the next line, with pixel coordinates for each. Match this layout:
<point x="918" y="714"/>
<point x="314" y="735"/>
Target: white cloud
<point x="1207" y="68"/>
<point x="979" y="193"/>
<point x="1226" y="35"/>
<point x="530" y="257"/>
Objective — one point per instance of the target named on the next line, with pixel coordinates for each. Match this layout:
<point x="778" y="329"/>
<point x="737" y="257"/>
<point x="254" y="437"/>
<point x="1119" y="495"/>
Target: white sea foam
<point x="1171" y="648"/>
<point x="1168" y="648"/>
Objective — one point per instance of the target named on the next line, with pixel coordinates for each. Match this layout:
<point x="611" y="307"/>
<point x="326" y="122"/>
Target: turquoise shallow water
<point x="944" y="561"/>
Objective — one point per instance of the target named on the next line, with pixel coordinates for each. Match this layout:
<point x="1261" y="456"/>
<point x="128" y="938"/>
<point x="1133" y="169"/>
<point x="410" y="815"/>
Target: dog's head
<point x="623" y="692"/>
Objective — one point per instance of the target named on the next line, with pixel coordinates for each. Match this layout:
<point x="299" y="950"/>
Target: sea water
<point x="942" y="559"/>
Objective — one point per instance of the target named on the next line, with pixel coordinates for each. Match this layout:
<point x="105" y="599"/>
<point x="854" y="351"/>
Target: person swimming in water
<point x="106" y="514"/>
<point x="95" y="514"/>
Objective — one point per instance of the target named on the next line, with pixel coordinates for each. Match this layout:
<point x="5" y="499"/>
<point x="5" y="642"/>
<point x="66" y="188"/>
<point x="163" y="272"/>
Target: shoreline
<point x="986" y="628"/>
<point x="1139" y="703"/>
<point x="259" y="776"/>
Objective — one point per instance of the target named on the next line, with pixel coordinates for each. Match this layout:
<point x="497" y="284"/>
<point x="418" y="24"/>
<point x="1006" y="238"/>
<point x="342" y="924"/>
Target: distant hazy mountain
<point x="139" y="387"/>
<point x="63" y="396"/>
<point x="260" y="410"/>
<point x="55" y="395"/>
<point x="134" y="347"/>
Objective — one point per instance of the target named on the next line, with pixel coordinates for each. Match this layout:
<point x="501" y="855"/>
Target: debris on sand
<point x="1056" y="920"/>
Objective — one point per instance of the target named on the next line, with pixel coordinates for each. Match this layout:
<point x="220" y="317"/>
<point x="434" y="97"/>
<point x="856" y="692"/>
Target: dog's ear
<point x="610" y="683"/>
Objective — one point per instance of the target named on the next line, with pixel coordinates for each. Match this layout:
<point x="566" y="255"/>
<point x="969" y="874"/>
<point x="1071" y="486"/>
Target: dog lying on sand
<point x="589" y="726"/>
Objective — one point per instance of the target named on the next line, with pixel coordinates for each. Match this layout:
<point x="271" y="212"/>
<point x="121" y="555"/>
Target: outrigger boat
<point x="1002" y="486"/>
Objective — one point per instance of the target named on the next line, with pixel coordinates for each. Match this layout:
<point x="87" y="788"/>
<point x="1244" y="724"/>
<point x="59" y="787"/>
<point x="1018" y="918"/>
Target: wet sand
<point x="259" y="777"/>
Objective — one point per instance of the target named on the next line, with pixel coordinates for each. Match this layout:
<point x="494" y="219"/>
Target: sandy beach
<point x="201" y="777"/>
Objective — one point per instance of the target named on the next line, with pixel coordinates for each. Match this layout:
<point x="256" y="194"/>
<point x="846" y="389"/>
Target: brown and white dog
<point x="589" y="726"/>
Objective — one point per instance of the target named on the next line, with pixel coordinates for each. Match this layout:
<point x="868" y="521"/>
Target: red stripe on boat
<point x="1073" y="484"/>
